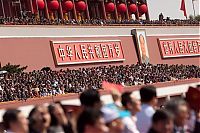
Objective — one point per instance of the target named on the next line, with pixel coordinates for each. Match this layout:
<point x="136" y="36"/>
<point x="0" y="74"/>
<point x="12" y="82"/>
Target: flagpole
<point x="3" y="10"/>
<point x="193" y="8"/>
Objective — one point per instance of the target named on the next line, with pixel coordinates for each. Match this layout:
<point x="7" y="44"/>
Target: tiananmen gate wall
<point x="29" y="46"/>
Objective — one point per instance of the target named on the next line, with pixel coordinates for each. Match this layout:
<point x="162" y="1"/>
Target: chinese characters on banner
<point x="77" y="52"/>
<point x="179" y="47"/>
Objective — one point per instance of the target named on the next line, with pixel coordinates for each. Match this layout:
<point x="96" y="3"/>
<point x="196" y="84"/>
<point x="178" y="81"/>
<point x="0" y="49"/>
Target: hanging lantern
<point x="67" y="5"/>
<point x="81" y="6"/>
<point x="40" y="4"/>
<point x="110" y="7"/>
<point x="142" y="9"/>
<point x="53" y="5"/>
<point x="132" y="8"/>
<point x="121" y="8"/>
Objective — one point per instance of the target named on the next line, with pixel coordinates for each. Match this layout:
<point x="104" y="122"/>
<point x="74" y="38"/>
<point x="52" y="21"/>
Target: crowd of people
<point x="126" y="114"/>
<point x="47" y="82"/>
<point x="43" y="21"/>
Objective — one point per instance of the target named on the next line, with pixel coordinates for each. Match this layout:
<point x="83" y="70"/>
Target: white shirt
<point x="130" y="125"/>
<point x="144" y="118"/>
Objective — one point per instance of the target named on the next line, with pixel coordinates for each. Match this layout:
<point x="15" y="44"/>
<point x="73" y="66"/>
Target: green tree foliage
<point x="13" y="68"/>
<point x="197" y="17"/>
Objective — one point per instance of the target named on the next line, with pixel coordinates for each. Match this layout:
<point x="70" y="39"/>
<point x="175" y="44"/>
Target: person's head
<point x="116" y="96"/>
<point x="130" y="102"/>
<point x="91" y="98"/>
<point x="15" y="121"/>
<point x="58" y="116"/>
<point x="91" y="121"/>
<point x="148" y="95"/>
<point x="113" y="120"/>
<point x="142" y="44"/>
<point x="39" y="118"/>
<point x="180" y="111"/>
<point x="162" y="122"/>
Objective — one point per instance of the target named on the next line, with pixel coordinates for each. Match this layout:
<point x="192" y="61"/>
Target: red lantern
<point x="81" y="6"/>
<point x="110" y="7"/>
<point x="53" y="5"/>
<point x="40" y="4"/>
<point x="121" y="8"/>
<point x="132" y="8"/>
<point x="67" y="5"/>
<point x="142" y="9"/>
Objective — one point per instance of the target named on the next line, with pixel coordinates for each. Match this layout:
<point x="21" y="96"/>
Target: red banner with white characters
<point x="78" y="52"/>
<point x="179" y="47"/>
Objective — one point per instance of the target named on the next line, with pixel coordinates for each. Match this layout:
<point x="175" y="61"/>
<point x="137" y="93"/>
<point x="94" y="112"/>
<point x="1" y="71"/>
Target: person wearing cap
<point x="132" y="105"/>
<point x="113" y="120"/>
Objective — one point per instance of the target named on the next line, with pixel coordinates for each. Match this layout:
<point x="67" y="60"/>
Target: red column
<point x="46" y="9"/>
<point x="147" y="14"/>
<point x="60" y="9"/>
<point x="104" y="9"/>
<point x="74" y="10"/>
<point x="31" y="6"/>
<point x="3" y="10"/>
<point x="87" y="10"/>
<point x="116" y="13"/>
<point x="127" y="14"/>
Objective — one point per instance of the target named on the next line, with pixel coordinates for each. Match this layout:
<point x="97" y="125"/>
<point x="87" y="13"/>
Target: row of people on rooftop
<point x="47" y="82"/>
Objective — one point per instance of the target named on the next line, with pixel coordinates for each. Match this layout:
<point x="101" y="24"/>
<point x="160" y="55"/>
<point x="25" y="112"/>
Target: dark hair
<point x="31" y="120"/>
<point x="88" y="117"/>
<point x="54" y="121"/>
<point x="161" y="115"/>
<point x="126" y="98"/>
<point x="10" y="116"/>
<point x="147" y="93"/>
<point x="89" y="97"/>
<point x="173" y="105"/>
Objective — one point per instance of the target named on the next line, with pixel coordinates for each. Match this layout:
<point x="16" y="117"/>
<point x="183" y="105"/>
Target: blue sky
<point x="171" y="8"/>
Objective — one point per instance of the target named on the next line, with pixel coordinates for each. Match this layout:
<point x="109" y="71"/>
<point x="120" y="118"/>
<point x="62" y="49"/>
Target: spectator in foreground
<point x="162" y="122"/>
<point x="39" y="120"/>
<point x="132" y="105"/>
<point x="149" y="102"/>
<point x="113" y="120"/>
<point x="180" y="111"/>
<point x="91" y="98"/>
<point x="59" y="121"/>
<point x="116" y="96"/>
<point x="91" y="121"/>
<point x="15" y="122"/>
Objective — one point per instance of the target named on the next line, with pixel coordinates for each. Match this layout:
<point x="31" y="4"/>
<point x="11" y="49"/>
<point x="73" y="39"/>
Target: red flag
<point x="112" y="87"/>
<point x="183" y="8"/>
<point x="193" y="98"/>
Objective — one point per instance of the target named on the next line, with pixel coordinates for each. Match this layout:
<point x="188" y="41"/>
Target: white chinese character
<point x="77" y="55"/>
<point x="61" y="52"/>
<point x="165" y="46"/>
<point x="104" y="51"/>
<point x="110" y="48"/>
<point x="69" y="52"/>
<point x="84" y="52"/>
<point x="180" y="44"/>
<point x="90" y="51"/>
<point x="117" y="49"/>
<point x="98" y="51"/>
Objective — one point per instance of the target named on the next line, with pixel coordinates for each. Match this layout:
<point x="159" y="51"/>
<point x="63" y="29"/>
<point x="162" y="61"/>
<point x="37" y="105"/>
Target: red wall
<point x="36" y="52"/>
